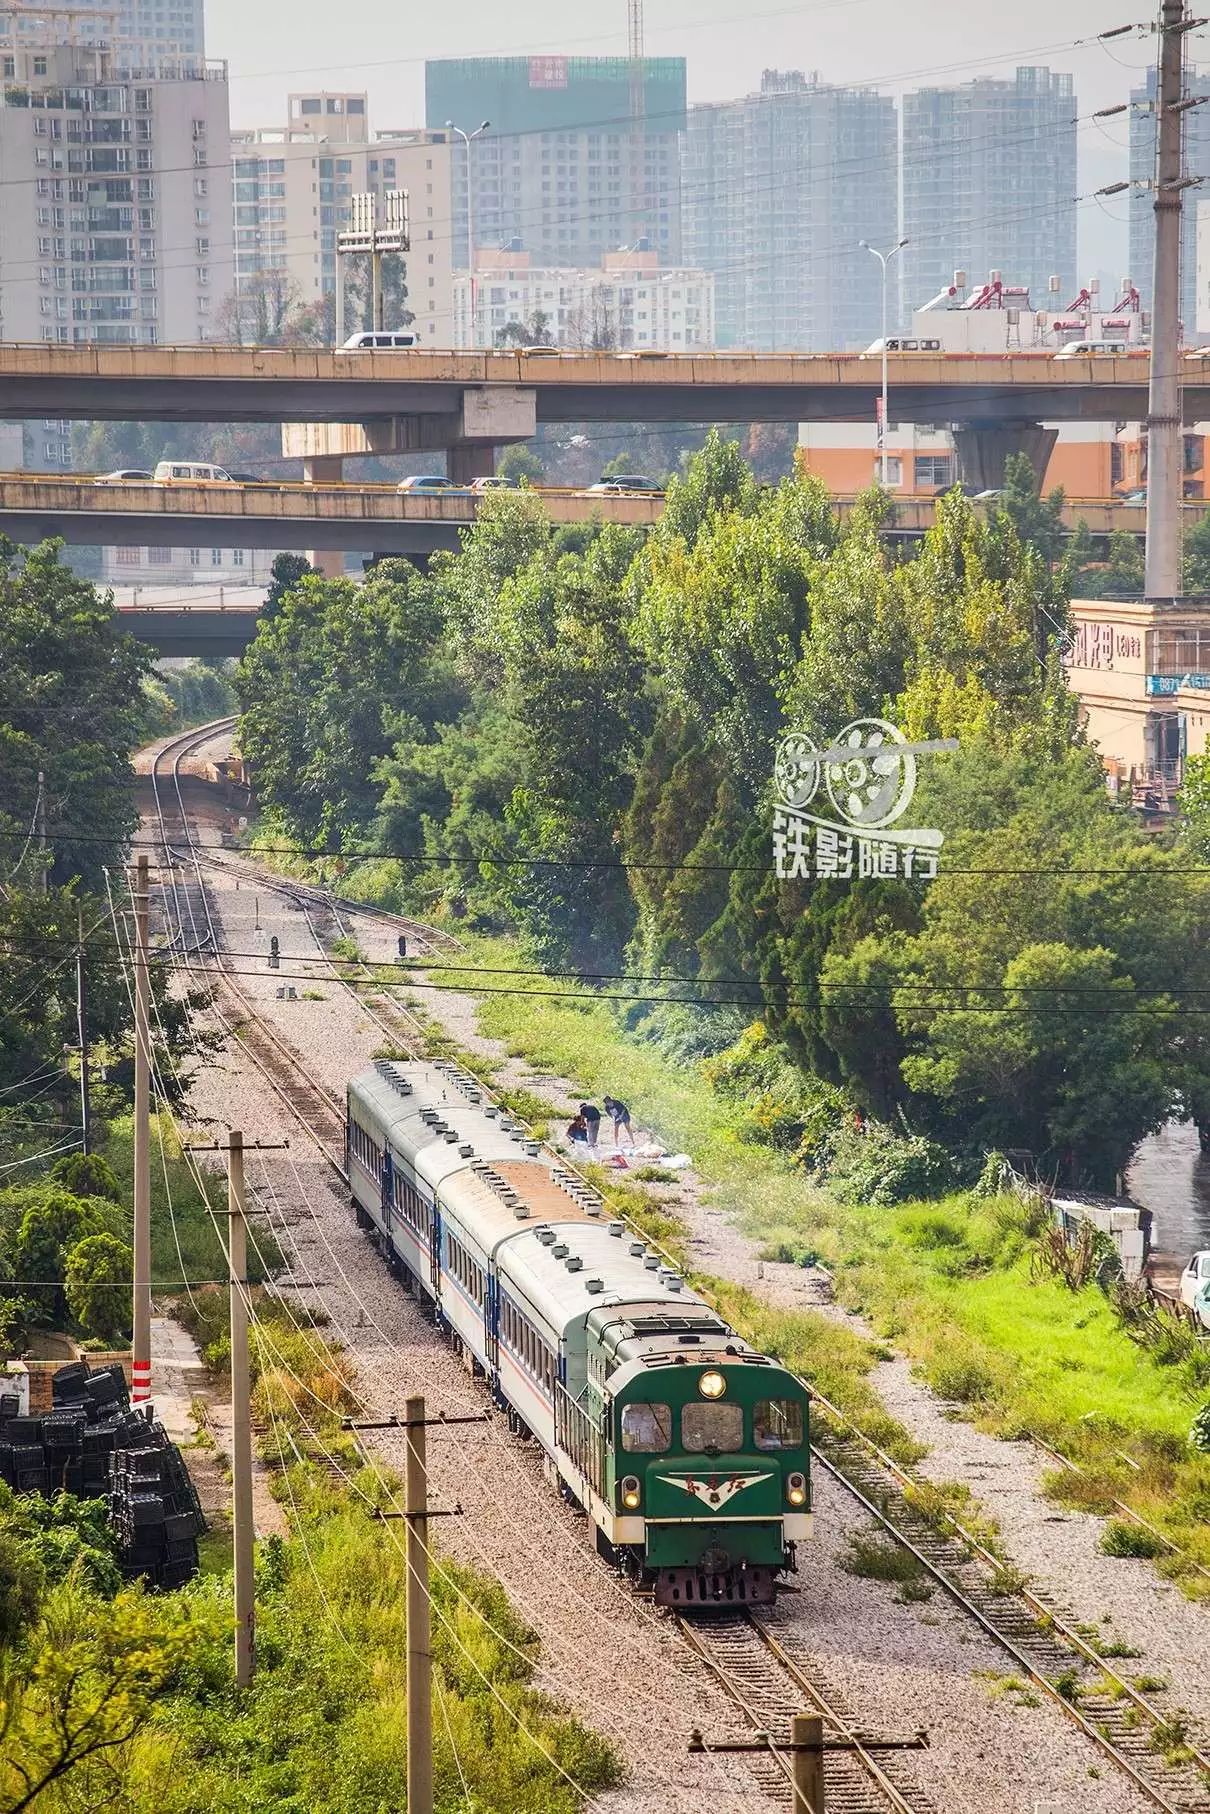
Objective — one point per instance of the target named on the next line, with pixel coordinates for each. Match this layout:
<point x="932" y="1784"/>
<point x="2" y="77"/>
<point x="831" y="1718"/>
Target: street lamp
<point x="466" y="138"/>
<point x="884" y="259"/>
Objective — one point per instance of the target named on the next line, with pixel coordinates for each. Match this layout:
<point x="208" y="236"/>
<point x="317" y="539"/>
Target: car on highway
<point x="628" y="481"/>
<point x="125" y="475"/>
<point x="1137" y="496"/>
<point x="191" y="472"/>
<point x="429" y="484"/>
<point x="1195" y="1287"/>
<point x="377" y="343"/>
<point x="1089" y="349"/>
<point x="494" y="481"/>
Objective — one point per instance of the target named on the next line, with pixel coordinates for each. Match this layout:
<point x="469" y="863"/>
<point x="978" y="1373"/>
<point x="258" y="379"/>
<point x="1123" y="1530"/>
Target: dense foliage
<point x="571" y="734"/>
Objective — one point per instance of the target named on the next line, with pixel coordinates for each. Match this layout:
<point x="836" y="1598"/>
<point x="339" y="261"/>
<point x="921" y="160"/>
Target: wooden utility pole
<point x="241" y="1417"/>
<point x="141" y="1357"/>
<point x="419" y="1615"/>
<point x="806" y="1738"/>
<point x="82" y="1031"/>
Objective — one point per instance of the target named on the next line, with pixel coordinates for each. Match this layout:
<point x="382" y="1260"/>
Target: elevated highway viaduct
<point x="335" y="405"/>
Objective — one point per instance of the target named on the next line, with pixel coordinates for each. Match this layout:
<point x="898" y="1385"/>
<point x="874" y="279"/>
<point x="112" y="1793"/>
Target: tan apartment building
<point x="292" y="189"/>
<point x="115" y="221"/>
<point x="1141" y="668"/>
<point x="627" y="301"/>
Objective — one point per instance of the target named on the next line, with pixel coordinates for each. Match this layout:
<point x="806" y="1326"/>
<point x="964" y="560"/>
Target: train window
<point x="646" y="1429"/>
<point x="777" y="1423"/>
<point x="712" y="1426"/>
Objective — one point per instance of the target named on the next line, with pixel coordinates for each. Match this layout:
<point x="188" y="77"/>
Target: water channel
<point x="1170" y="1175"/>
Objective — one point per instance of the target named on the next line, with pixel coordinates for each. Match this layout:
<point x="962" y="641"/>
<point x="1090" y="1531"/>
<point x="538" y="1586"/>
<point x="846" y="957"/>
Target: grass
<point x="878" y="1559"/>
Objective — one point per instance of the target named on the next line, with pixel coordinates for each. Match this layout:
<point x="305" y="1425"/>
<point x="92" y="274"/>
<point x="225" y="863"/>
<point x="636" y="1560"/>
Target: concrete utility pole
<point x="884" y="259"/>
<point x="241" y="1417"/>
<point x="40" y="812"/>
<point x="419" y="1615"/>
<point x="140" y="1370"/>
<point x="82" y="1031"/>
<point x="365" y="235"/>
<point x="1164" y="426"/>
<point x="806" y="1737"/>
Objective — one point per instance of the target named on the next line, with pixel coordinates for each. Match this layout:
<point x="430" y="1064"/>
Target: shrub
<point x="960" y="1378"/>
<point x="99" y="1272"/>
<point x="883" y="1168"/>
<point x="878" y="1559"/>
<point x="1121" y="1538"/>
<point x="1199" y="1431"/>
<point x="87" y="1175"/>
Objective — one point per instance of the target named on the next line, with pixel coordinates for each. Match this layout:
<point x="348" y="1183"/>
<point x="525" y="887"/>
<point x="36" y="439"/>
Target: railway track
<point x="747" y="1655"/>
<point x="1152" y="1748"/>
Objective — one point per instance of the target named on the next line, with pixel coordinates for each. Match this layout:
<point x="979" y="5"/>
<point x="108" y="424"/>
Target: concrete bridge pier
<point x="983" y="449"/>
<point x="325" y="469"/>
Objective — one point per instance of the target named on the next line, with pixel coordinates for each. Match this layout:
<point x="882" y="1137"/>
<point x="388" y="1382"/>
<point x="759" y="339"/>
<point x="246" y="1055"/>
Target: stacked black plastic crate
<point x="92" y="1443"/>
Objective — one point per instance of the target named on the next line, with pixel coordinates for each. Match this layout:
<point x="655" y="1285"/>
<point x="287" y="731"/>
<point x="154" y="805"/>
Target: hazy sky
<point x="381" y="45"/>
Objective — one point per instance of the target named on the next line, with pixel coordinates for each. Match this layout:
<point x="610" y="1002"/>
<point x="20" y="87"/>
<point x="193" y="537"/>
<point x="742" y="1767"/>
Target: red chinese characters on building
<point x="548" y="72"/>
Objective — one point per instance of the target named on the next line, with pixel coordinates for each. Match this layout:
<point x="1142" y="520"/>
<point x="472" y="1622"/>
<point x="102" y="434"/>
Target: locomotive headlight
<point x="796" y="1489"/>
<point x="631" y="1493"/>
<point x="712" y="1384"/>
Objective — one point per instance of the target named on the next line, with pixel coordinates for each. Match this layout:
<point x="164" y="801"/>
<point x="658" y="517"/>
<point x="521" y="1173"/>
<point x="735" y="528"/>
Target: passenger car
<point x="494" y="481"/>
<point x="429" y="482"/>
<point x="191" y="472"/>
<point x="378" y="342"/>
<point x="125" y="475"/>
<point x="685" y="1447"/>
<point x="628" y="481"/>
<point x="1195" y="1286"/>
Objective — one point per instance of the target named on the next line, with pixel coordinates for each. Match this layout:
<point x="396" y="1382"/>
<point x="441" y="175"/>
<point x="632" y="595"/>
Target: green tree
<point x="98" y="1286"/>
<point x="1197" y="555"/>
<point x="53" y="1222"/>
<point x="1123" y="575"/>
<point x="521" y="465"/>
<point x="325" y="687"/>
<point x="70" y="690"/>
<point x="1036" y="520"/>
<point x="86" y="1175"/>
<point x="534" y="331"/>
<point x="287" y="570"/>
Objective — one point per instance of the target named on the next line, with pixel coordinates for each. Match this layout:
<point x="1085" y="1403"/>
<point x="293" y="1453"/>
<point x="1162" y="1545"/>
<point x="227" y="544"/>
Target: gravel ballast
<point x="616" y="1662"/>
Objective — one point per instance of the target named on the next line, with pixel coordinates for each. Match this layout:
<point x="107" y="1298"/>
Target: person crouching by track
<point x="577" y="1131"/>
<point x="619" y="1114"/>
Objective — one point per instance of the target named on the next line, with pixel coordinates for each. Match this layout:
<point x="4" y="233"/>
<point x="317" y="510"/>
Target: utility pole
<point x="243" y="1524"/>
<point x="241" y="1417"/>
<point x="141" y="1356"/>
<point x="364" y="235"/>
<point x="40" y="811"/>
<point x="806" y="1738"/>
<point x="1164" y="426"/>
<point x="806" y="1749"/>
<point x="419" y="1615"/>
<point x="82" y="1030"/>
<point x="884" y="259"/>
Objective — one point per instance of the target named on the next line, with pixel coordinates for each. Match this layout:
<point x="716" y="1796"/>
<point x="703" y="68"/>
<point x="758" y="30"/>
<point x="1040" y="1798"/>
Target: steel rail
<point x="1120" y="1688"/>
<point x="806" y="1691"/>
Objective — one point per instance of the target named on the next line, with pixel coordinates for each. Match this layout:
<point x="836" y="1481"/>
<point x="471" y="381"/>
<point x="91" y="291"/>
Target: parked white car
<point x="1195" y="1286"/>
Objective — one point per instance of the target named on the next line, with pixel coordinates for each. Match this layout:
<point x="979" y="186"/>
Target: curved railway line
<point x="746" y="1652"/>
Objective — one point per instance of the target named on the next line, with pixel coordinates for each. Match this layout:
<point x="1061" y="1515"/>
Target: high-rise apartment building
<point x="115" y="216"/>
<point x="989" y="183"/>
<point x="578" y="160"/>
<point x="292" y="189"/>
<point x="142" y="32"/>
<point x="778" y="190"/>
<point x="1195" y="126"/>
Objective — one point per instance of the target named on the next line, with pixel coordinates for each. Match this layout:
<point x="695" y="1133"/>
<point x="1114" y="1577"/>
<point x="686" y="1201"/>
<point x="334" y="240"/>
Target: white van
<point x="377" y="343"/>
<point x="190" y="472"/>
<point x="1085" y="349"/>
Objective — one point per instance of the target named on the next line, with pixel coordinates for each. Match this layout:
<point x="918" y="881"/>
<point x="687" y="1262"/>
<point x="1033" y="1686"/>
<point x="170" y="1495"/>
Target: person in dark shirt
<point x="577" y="1131"/>
<point x="592" y="1122"/>
<point x="619" y="1114"/>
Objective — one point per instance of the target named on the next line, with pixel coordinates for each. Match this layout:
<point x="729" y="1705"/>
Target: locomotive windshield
<point x="712" y="1426"/>
<point x="777" y="1423"/>
<point x="646" y="1429"/>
